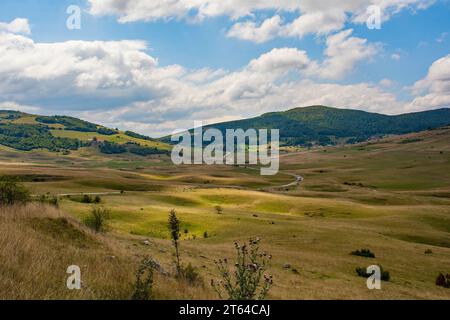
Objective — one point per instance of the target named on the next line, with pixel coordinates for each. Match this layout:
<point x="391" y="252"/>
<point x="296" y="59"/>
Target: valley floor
<point x="391" y="196"/>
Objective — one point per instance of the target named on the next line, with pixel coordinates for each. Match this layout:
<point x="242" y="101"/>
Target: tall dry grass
<point x="38" y="243"/>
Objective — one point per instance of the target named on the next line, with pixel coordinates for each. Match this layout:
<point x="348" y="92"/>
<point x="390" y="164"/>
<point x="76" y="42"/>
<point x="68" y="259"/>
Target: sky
<point x="157" y="66"/>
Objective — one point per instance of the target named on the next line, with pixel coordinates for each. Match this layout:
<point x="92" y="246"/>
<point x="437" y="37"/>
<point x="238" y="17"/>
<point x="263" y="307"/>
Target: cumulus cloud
<point x="312" y="16"/>
<point x="343" y="52"/>
<point x="434" y="90"/>
<point x="396" y="56"/>
<point x="93" y="72"/>
<point x="249" y="30"/>
<point x="18" y="25"/>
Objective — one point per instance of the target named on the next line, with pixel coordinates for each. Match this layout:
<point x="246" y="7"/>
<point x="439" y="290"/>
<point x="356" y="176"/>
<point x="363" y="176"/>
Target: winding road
<point x="298" y="179"/>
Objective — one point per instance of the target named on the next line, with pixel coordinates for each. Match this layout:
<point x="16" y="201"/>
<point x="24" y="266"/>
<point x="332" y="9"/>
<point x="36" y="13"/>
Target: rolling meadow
<point x="390" y="195"/>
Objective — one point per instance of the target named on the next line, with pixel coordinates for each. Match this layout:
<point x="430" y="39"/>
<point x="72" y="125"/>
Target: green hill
<point x="26" y="132"/>
<point x="325" y="125"/>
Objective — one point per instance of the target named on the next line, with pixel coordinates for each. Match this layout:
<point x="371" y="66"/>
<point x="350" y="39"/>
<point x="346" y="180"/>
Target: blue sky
<point x="197" y="70"/>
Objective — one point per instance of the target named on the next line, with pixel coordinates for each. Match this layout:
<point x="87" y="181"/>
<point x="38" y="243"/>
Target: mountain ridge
<point x="327" y="125"/>
<point x="301" y="126"/>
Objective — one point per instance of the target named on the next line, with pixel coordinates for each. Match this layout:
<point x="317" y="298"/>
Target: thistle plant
<point x="248" y="281"/>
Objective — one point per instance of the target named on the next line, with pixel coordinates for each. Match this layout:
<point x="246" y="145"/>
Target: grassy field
<point x="391" y="196"/>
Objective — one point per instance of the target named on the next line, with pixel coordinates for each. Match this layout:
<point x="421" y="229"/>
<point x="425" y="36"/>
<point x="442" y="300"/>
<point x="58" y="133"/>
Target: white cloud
<point x="312" y="16"/>
<point x="442" y="37"/>
<point x="144" y="10"/>
<point x="343" y="52"/>
<point x="386" y="83"/>
<point x="280" y="60"/>
<point x="8" y="105"/>
<point x="434" y="90"/>
<point x="18" y="25"/>
<point x="249" y="30"/>
<point x="320" y="18"/>
<point x="396" y="56"/>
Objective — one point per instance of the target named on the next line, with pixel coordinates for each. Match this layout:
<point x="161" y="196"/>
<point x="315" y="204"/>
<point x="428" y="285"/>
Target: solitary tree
<point x="174" y="228"/>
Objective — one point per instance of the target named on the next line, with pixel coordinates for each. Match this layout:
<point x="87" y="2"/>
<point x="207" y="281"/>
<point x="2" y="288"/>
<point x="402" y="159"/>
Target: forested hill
<point x="300" y="126"/>
<point x="26" y="132"/>
<point x="325" y="125"/>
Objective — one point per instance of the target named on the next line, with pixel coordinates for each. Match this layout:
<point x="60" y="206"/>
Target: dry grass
<point x="38" y="243"/>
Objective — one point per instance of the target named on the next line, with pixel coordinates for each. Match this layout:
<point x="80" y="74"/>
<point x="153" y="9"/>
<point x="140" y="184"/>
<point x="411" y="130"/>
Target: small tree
<point x="12" y="192"/>
<point x="219" y="209"/>
<point x="174" y="228"/>
<point x="143" y="285"/>
<point x="249" y="281"/>
<point x="97" y="219"/>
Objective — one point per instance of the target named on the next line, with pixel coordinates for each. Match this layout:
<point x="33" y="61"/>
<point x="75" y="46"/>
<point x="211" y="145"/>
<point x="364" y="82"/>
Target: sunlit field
<point x="391" y="196"/>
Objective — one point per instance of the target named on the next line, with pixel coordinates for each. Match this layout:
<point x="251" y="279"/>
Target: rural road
<point x="88" y="194"/>
<point x="298" y="179"/>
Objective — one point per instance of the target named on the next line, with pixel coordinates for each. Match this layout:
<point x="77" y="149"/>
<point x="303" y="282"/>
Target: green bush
<point x="443" y="281"/>
<point x="97" y="219"/>
<point x="363" y="253"/>
<point x="219" y="209"/>
<point x="362" y="272"/>
<point x="49" y="200"/>
<point x="12" y="192"/>
<point x="86" y="199"/>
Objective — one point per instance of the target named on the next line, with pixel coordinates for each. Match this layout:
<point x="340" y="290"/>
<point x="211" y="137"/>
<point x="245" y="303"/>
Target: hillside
<point x="326" y="126"/>
<point x="316" y="125"/>
<point x="26" y="132"/>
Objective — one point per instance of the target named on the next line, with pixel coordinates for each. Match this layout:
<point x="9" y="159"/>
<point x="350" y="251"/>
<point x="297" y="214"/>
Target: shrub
<point x="219" y="209"/>
<point x="249" y="281"/>
<point x="443" y="281"/>
<point x="97" y="219"/>
<point x="205" y="235"/>
<point x="86" y="199"/>
<point x="12" y="192"/>
<point x="143" y="286"/>
<point x="97" y="199"/>
<point x="363" y="253"/>
<point x="362" y="272"/>
<point x="189" y="274"/>
<point x="49" y="200"/>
